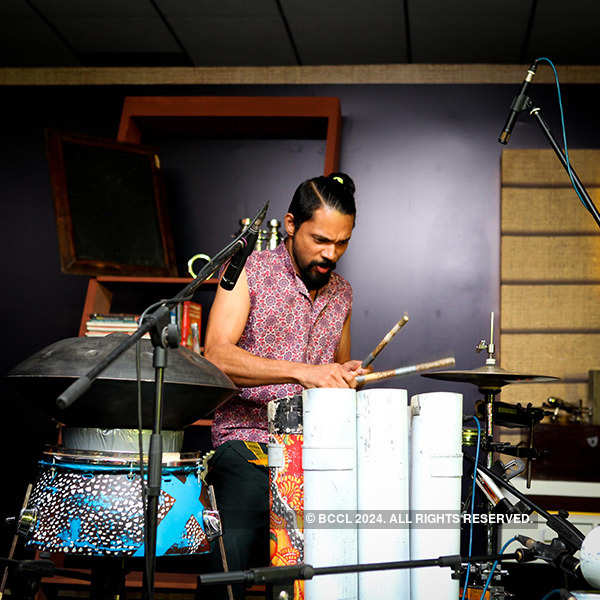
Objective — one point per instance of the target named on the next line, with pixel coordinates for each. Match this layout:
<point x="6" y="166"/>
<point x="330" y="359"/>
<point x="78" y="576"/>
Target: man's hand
<point x="331" y="375"/>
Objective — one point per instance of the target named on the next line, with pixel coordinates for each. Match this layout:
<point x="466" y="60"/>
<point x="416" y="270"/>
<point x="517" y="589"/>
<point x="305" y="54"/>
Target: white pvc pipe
<point x="382" y="462"/>
<point x="436" y="471"/>
<point x="329" y="462"/>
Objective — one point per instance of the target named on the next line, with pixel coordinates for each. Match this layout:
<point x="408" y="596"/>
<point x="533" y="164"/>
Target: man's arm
<point x="342" y="353"/>
<point x="225" y="326"/>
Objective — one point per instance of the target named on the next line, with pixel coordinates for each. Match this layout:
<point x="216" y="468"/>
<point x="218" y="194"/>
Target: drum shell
<point x="286" y="485"/>
<point x="329" y="461"/>
<point x="435" y="485"/>
<point x="95" y="509"/>
<point x="382" y="464"/>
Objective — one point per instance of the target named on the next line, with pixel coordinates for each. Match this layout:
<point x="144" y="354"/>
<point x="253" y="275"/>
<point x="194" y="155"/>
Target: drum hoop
<point x="130" y="469"/>
<point x="59" y="456"/>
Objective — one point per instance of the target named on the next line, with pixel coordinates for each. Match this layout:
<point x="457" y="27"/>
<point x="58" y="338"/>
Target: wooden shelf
<point x="99" y="296"/>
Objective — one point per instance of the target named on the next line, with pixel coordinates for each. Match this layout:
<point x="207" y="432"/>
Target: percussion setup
<point x="365" y="484"/>
<point x="359" y="480"/>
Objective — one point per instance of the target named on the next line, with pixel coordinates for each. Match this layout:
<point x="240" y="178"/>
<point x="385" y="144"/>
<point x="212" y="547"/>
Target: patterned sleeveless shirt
<point x="283" y="324"/>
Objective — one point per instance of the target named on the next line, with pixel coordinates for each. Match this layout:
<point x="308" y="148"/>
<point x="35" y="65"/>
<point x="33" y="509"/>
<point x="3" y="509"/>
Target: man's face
<point x="318" y="244"/>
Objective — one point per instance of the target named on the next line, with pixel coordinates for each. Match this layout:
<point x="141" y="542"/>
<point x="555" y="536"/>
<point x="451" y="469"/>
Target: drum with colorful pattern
<point x="90" y="503"/>
<point x="286" y="478"/>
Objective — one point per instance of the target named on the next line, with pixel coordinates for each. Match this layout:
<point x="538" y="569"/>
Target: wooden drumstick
<point x="436" y="364"/>
<point x="385" y="341"/>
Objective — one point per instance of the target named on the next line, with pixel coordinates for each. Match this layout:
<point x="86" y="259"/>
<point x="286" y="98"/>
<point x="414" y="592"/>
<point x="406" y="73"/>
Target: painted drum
<point x="286" y="485"/>
<point x="90" y="503"/>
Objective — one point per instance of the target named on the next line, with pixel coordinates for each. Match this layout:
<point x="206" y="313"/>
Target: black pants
<point x="242" y="494"/>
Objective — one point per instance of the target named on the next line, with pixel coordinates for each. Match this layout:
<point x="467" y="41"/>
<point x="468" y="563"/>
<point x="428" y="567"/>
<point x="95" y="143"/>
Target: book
<point x="191" y="312"/>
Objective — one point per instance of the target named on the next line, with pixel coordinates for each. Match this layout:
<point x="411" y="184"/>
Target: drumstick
<point x="385" y="341"/>
<point x="436" y="364"/>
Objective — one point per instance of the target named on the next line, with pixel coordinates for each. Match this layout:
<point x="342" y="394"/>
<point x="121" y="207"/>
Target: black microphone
<point x="520" y="102"/>
<point x="555" y="553"/>
<point x="236" y="264"/>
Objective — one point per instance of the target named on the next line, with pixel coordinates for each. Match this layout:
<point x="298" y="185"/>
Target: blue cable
<point x="472" y="504"/>
<point x="551" y="593"/>
<point x="564" y="133"/>
<point x="489" y="579"/>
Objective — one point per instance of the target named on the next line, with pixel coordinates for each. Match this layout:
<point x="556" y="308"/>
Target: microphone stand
<point x="163" y="336"/>
<point x="288" y="574"/>
<point x="525" y="104"/>
<point x="30" y="573"/>
<point x="571" y="537"/>
<point x="536" y="113"/>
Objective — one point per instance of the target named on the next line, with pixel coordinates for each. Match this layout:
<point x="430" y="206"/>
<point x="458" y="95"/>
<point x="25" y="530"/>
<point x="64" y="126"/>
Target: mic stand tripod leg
<point x="13" y="545"/>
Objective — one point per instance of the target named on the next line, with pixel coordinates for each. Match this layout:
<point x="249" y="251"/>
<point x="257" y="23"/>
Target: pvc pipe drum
<point x="382" y="461"/>
<point x="90" y="503"/>
<point x="329" y="460"/>
<point x="286" y="479"/>
<point x="435" y="488"/>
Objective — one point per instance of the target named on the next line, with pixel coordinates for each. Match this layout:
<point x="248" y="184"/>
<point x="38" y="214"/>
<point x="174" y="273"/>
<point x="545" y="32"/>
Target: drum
<point x="286" y="485"/>
<point x="90" y="503"/>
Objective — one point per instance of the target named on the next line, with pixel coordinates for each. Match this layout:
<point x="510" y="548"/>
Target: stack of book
<point x="187" y="316"/>
<point x="99" y="324"/>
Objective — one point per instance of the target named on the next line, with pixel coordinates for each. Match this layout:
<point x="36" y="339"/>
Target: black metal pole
<point x="154" y="469"/>
<point x="303" y="571"/>
<point x="537" y="114"/>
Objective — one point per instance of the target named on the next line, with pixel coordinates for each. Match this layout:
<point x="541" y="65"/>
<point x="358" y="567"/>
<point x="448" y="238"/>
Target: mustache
<point x="325" y="264"/>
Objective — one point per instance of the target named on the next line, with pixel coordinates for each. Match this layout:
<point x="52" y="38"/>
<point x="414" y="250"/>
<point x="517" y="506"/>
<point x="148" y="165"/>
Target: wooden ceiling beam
<point x="341" y="74"/>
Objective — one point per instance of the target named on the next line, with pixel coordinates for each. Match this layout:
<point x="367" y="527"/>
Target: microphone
<point x="520" y="102"/>
<point x="247" y="241"/>
<point x="555" y="553"/>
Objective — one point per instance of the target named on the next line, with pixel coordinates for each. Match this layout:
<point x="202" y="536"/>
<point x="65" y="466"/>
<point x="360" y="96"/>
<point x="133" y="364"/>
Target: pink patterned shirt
<point x="283" y="324"/>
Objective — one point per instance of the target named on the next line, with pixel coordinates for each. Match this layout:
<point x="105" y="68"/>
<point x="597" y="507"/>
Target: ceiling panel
<point x="26" y="41"/>
<point x="110" y="26"/>
<point x="464" y="31"/>
<point x="566" y="32"/>
<point x="230" y="32"/>
<point x="347" y="31"/>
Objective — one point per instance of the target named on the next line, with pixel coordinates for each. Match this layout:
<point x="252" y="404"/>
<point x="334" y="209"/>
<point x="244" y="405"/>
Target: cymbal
<point x="489" y="377"/>
<point x="194" y="387"/>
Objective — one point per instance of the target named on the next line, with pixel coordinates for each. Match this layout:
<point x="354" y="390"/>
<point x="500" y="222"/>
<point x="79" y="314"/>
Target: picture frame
<point x="111" y="215"/>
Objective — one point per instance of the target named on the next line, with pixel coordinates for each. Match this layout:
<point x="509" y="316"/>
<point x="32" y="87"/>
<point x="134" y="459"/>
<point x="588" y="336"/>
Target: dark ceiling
<point x="60" y="33"/>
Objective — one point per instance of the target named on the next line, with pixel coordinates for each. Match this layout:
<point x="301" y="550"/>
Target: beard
<point x="313" y="279"/>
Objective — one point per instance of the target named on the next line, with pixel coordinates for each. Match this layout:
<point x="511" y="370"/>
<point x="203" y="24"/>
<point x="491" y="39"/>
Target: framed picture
<point x="111" y="216"/>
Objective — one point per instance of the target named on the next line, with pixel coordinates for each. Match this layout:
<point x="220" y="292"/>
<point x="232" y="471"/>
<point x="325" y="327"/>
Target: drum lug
<point x="27" y="521"/>
<point x="212" y="524"/>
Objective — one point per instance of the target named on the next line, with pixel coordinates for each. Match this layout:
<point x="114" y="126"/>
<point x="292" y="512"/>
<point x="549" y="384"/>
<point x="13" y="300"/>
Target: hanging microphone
<point x="520" y="102"/>
<point x="247" y="242"/>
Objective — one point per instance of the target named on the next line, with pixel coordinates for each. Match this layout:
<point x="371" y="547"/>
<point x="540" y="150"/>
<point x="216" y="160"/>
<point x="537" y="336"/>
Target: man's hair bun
<point x="336" y="191"/>
<point x="343" y="179"/>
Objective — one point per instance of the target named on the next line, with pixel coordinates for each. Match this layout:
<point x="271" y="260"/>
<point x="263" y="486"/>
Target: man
<point x="285" y="326"/>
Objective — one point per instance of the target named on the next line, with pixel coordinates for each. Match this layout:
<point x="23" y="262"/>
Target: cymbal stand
<point x="489" y="394"/>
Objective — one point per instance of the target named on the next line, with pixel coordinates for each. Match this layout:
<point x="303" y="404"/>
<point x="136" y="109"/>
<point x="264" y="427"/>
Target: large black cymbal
<point x="489" y="377"/>
<point x="194" y="387"/>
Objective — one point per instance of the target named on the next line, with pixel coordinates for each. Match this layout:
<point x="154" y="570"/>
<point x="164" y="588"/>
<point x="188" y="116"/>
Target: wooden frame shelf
<point x="100" y="291"/>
